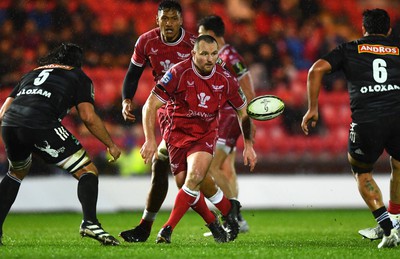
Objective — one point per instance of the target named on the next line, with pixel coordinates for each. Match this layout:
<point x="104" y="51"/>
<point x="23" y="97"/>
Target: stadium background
<point x="279" y="40"/>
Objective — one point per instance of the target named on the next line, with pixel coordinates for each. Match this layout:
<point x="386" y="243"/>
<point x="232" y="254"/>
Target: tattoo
<point x="370" y="186"/>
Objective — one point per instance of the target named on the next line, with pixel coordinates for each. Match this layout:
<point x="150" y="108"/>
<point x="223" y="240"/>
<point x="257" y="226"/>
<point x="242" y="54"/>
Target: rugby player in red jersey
<point x="222" y="167"/>
<point x="160" y="48"/>
<point x="194" y="92"/>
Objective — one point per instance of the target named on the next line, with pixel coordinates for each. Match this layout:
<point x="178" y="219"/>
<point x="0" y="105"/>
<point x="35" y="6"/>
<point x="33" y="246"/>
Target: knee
<point x="89" y="169"/>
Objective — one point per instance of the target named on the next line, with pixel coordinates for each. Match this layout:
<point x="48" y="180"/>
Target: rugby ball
<point x="265" y="107"/>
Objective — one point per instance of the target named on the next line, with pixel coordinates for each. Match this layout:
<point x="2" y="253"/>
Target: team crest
<point x="203" y="98"/>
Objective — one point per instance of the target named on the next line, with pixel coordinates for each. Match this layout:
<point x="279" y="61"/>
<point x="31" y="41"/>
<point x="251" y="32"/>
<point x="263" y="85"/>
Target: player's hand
<point x="127" y="108"/>
<point x="115" y="152"/>
<point x="311" y="117"/>
<point x="148" y="150"/>
<point x="249" y="157"/>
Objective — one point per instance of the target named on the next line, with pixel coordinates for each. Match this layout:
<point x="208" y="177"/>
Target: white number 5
<point x="42" y="77"/>
<point x="379" y="70"/>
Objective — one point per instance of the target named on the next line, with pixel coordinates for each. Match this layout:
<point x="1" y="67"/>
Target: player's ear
<point x="157" y="21"/>
<point x="389" y="32"/>
<point x="364" y="31"/>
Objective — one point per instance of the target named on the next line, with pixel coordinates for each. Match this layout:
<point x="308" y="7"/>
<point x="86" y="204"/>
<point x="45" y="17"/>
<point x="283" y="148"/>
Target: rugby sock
<point x="88" y="189"/>
<point x="9" y="188"/>
<point x="202" y="209"/>
<point x="393" y="208"/>
<point x="382" y="217"/>
<point x="148" y="219"/>
<point x="221" y="202"/>
<point x="184" y="199"/>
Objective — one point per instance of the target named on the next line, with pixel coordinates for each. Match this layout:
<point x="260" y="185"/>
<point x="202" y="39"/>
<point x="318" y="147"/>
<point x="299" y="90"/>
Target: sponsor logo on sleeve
<point x="166" y="78"/>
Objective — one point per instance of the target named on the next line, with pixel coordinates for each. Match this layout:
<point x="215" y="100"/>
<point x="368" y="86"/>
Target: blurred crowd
<point x="279" y="40"/>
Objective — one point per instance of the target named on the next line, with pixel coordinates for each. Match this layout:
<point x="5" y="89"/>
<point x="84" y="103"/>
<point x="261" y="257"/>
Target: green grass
<point x="273" y="234"/>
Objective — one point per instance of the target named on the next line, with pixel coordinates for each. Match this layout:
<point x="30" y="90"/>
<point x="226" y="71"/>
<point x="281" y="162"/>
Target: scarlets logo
<point x="378" y="49"/>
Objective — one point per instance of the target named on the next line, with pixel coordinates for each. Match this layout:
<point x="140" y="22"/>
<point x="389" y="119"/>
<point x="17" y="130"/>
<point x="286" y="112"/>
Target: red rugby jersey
<point x="234" y="63"/>
<point x="150" y="47"/>
<point x="193" y="102"/>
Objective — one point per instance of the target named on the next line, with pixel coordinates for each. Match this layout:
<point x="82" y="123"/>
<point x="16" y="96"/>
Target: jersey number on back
<point x="42" y="77"/>
<point x="379" y="70"/>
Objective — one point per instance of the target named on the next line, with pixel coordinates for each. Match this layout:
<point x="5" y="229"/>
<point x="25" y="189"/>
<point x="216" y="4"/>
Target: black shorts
<point x="368" y="140"/>
<point x="52" y="145"/>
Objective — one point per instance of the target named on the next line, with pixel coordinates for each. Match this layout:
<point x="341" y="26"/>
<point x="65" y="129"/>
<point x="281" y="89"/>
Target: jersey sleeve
<point x="14" y="91"/>
<point x="236" y="97"/>
<point x="85" y="91"/>
<point x="335" y="58"/>
<point x="166" y="85"/>
<point x="139" y="56"/>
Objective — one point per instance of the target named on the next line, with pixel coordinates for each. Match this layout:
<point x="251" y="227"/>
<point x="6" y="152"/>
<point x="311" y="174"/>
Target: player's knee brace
<point x="20" y="165"/>
<point x="75" y="162"/>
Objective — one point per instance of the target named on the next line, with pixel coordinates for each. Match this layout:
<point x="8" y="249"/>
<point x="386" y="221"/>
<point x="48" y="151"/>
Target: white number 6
<point x="379" y="70"/>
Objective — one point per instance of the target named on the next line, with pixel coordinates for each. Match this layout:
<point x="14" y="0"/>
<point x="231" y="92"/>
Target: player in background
<point x="31" y="123"/>
<point x="194" y="90"/>
<point x="371" y="66"/>
<point x="223" y="165"/>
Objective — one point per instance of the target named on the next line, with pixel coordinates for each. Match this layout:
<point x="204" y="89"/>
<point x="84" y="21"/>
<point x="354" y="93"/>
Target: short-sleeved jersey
<point x="234" y="63"/>
<point x="152" y="49"/>
<point x="46" y="94"/>
<point x="371" y="65"/>
<point x="193" y="102"/>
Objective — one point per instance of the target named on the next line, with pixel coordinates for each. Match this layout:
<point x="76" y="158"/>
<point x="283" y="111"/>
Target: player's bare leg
<point x="374" y="233"/>
<point x="155" y="198"/>
<point x="371" y="194"/>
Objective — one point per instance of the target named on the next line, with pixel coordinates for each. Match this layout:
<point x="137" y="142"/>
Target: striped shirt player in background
<point x="223" y="165"/>
<point x="194" y="91"/>
<point x="31" y="123"/>
<point x="371" y="65"/>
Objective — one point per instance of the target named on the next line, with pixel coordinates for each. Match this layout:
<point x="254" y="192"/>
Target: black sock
<point x="382" y="217"/>
<point x="9" y="188"/>
<point x="88" y="188"/>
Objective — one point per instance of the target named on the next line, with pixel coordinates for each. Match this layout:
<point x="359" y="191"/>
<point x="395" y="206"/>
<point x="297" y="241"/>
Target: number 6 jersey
<point x="371" y="65"/>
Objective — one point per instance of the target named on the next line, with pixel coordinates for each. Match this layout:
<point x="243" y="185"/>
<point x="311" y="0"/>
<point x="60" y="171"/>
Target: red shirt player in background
<point x="161" y="48"/>
<point x="223" y="165"/>
<point x="194" y="91"/>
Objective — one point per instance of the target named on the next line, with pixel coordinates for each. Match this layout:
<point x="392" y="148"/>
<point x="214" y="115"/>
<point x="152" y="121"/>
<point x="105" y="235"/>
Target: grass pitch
<point x="273" y="234"/>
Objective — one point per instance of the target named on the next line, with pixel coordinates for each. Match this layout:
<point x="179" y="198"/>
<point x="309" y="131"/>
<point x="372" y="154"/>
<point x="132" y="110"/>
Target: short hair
<point x="206" y="38"/>
<point x="68" y="54"/>
<point x="376" y="21"/>
<point x="170" y="5"/>
<point x="213" y="23"/>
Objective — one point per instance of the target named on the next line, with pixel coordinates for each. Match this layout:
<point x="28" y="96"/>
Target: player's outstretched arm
<point x="149" y="114"/>
<point x="249" y="155"/>
<point x="5" y="107"/>
<point x="314" y="84"/>
<point x="95" y="125"/>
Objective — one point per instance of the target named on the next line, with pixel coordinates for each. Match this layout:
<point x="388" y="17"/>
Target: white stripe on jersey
<point x="62" y="133"/>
